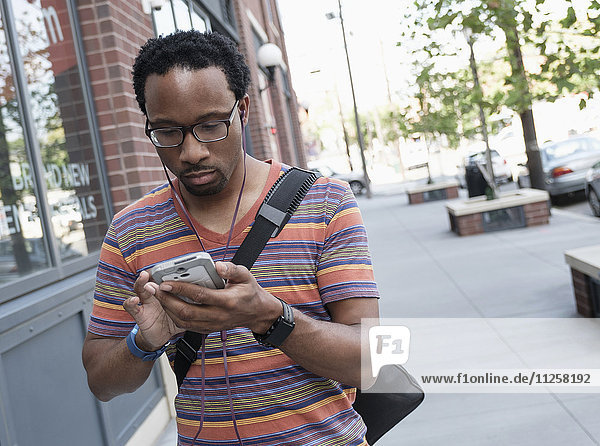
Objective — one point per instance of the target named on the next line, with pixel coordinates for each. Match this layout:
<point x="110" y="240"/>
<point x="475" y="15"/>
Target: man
<point x="192" y="88"/>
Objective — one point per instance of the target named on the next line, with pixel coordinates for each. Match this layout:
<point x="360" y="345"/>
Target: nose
<point x="191" y="150"/>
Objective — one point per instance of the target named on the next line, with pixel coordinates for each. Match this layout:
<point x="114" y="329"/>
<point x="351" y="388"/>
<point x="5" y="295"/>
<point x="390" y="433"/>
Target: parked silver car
<point x="356" y="180"/>
<point x="592" y="188"/>
<point x="565" y="164"/>
<point x="502" y="172"/>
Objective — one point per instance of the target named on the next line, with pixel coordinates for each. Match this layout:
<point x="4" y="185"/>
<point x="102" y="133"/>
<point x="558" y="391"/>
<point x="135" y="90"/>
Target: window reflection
<point x="198" y="22"/>
<point x="182" y="15"/>
<point x="186" y="16"/>
<point x="163" y="20"/>
<point x="60" y="123"/>
<point x="22" y="248"/>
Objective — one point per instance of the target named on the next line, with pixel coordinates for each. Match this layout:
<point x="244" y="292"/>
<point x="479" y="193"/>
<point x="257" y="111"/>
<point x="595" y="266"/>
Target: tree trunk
<point x="534" y="159"/>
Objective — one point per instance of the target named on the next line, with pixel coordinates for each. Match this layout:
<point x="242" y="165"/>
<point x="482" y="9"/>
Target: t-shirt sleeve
<point x="114" y="284"/>
<point x="344" y="269"/>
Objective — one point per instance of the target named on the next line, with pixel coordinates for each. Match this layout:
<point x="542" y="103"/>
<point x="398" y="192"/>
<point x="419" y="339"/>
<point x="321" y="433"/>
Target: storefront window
<point x="22" y="246"/>
<point x="164" y="20"/>
<point x="60" y="126"/>
<point x="182" y="15"/>
<point x="186" y="17"/>
<point x="199" y="22"/>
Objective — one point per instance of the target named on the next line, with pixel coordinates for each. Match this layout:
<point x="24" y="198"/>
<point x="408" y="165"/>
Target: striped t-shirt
<point x="321" y="256"/>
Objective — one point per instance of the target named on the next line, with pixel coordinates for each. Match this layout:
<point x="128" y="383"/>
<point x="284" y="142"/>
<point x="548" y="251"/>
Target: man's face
<point x="185" y="97"/>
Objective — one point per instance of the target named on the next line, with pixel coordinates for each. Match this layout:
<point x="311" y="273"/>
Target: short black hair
<point x="193" y="50"/>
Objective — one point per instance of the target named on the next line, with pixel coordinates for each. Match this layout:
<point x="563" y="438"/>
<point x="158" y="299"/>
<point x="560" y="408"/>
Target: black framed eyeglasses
<point x="207" y="131"/>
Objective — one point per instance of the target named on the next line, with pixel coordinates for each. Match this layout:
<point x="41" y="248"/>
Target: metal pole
<point x="361" y="143"/>
<point x="346" y="140"/>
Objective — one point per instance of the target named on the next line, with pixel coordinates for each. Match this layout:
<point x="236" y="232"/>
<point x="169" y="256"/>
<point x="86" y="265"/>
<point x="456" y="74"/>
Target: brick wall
<point x="583" y="295"/>
<point x="469" y="224"/>
<point x="295" y="141"/>
<point x="260" y="139"/>
<point x="415" y="198"/>
<point x="113" y="32"/>
<point x="419" y="197"/>
<point x="537" y="213"/>
<point x="452" y="192"/>
<point x="288" y="134"/>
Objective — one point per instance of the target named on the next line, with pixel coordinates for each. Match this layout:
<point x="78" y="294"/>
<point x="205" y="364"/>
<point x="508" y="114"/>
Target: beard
<point x="205" y="189"/>
<point x="223" y="174"/>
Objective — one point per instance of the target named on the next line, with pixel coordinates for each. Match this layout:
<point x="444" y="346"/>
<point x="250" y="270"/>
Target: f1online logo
<point x="388" y="345"/>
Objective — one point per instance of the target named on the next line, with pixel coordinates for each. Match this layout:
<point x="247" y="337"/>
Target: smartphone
<point x="197" y="268"/>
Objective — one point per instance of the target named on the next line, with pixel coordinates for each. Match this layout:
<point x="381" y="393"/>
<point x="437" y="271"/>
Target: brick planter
<point x="433" y="192"/>
<point x="517" y="209"/>
<point x="585" y="273"/>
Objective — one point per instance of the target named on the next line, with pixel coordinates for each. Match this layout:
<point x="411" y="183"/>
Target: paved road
<point x="576" y="203"/>
<point x="424" y="270"/>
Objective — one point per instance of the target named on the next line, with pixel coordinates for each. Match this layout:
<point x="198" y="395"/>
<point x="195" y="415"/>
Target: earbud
<point x="242" y="113"/>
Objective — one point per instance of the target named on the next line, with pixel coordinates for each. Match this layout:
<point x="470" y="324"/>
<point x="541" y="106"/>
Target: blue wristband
<point x="137" y="352"/>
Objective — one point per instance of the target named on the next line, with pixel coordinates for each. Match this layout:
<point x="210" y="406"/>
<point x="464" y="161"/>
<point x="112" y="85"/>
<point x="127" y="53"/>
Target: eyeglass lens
<point x="204" y="132"/>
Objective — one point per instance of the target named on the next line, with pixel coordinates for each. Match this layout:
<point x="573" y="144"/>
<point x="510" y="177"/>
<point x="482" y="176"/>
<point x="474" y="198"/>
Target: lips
<point x="200" y="178"/>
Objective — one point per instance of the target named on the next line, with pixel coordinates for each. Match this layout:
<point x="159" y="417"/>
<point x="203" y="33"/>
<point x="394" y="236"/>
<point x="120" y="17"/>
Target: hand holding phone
<point x="197" y="268"/>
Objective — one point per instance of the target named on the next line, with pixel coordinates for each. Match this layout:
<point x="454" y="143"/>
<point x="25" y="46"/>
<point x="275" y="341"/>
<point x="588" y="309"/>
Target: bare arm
<point x="332" y="349"/>
<point x="329" y="349"/>
<point x="111" y="368"/>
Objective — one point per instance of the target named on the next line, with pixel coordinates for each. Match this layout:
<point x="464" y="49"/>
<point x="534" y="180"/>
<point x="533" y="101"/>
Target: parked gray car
<point x="592" y="188"/>
<point x="565" y="164"/>
<point x="356" y="180"/>
<point x="502" y="172"/>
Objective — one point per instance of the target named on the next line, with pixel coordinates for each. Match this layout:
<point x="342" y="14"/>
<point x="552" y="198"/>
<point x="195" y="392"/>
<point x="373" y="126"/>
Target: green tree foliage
<point x="565" y="52"/>
<point x="562" y="49"/>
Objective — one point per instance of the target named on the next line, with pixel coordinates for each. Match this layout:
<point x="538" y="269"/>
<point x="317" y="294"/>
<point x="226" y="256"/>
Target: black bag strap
<point x="276" y="210"/>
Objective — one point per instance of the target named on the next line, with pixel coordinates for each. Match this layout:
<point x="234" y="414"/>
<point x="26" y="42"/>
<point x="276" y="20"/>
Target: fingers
<point x="233" y="273"/>
<point x="195" y="293"/>
<point x="144" y="294"/>
<point x="199" y="318"/>
<point x="132" y="305"/>
<point x="216" y="309"/>
<point x="143" y="287"/>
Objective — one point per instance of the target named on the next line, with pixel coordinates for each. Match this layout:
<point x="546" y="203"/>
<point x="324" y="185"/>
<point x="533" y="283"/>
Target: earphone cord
<point x="182" y="205"/>
<point x="223" y="333"/>
<point x="202" y="356"/>
<point x="229" y="397"/>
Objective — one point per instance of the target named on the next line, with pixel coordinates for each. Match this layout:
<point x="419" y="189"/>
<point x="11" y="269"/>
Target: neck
<point x="215" y="212"/>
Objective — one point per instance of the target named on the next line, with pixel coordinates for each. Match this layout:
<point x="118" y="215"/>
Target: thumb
<point x="231" y="272"/>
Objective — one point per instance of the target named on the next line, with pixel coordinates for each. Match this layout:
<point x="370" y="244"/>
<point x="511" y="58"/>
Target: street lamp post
<point x="269" y="56"/>
<point x="361" y="142"/>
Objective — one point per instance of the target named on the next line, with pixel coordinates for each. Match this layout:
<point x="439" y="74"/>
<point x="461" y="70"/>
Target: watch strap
<point x="139" y="353"/>
<point x="281" y="328"/>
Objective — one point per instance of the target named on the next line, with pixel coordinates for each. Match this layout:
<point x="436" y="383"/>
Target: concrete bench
<point x="585" y="272"/>
<point x="431" y="192"/>
<point x="514" y="209"/>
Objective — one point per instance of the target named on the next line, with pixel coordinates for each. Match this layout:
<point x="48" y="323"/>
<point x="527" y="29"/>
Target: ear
<point x="244" y="107"/>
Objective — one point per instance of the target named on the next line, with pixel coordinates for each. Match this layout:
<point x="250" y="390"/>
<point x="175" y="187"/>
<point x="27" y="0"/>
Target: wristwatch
<point x="280" y="330"/>
<point x="136" y="351"/>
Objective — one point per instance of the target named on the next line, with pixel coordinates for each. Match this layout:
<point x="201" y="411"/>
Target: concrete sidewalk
<point x="424" y="270"/>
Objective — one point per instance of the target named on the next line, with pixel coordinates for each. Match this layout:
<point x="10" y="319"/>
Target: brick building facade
<point x="113" y="32"/>
<point x="72" y="153"/>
